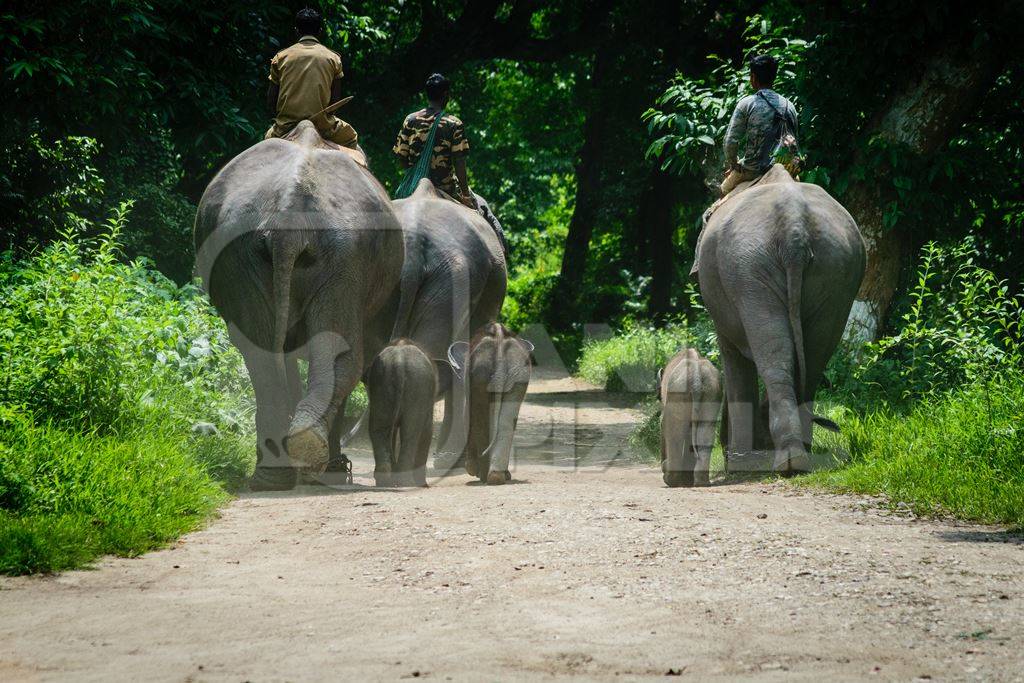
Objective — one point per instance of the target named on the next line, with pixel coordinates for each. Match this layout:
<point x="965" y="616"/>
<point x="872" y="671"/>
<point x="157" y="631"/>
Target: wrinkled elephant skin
<point x="401" y="385"/>
<point x="301" y="254"/>
<point x="780" y="265"/>
<point x="453" y="282"/>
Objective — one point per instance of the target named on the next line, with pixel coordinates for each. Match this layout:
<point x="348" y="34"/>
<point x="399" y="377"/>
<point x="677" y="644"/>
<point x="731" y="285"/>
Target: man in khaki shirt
<point x="304" y="79"/>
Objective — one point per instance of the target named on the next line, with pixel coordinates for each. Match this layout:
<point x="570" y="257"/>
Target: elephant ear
<point x="527" y="344"/>
<point x="444" y="365"/>
<point x="458" y="354"/>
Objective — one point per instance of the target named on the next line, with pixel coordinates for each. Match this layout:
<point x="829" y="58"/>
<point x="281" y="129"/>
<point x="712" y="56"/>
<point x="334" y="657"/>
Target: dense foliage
<point x="122" y="405"/>
<point x="595" y="130"/>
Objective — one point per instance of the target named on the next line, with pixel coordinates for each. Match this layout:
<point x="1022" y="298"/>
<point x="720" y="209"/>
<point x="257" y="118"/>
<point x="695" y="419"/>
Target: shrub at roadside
<point x="630" y="360"/>
<point x="123" y="407"/>
<point x="961" y="453"/>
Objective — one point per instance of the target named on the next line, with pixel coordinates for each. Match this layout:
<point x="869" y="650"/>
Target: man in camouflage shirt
<point x="448" y="158"/>
<point x="755" y="124"/>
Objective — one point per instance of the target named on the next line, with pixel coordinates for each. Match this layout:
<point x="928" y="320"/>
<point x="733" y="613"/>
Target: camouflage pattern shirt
<point x="449" y="143"/>
<point x="753" y="126"/>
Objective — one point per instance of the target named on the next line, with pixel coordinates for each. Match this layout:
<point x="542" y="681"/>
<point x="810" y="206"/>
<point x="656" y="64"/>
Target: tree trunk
<point x="588" y="189"/>
<point x="657" y="222"/>
<point x="921" y="116"/>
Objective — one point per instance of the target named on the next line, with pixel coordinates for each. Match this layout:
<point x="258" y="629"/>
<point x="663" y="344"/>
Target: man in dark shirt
<point x="755" y="125"/>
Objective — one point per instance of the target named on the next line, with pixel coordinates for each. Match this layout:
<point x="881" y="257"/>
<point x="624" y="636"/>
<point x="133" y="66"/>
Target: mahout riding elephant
<point x="301" y="253"/>
<point x="780" y="264"/>
<point x="497" y="364"/>
<point x="401" y="385"/>
<point x="691" y="397"/>
<point x="453" y="282"/>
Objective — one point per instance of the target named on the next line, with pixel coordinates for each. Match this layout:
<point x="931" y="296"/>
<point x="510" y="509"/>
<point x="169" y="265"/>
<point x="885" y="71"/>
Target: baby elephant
<point x="499" y="373"/>
<point x="401" y="385"/>
<point x="691" y="397"/>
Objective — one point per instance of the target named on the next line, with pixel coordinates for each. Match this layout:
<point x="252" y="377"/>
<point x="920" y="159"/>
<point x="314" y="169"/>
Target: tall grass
<point x="124" y="410"/>
<point x="630" y="360"/>
<point x="961" y="453"/>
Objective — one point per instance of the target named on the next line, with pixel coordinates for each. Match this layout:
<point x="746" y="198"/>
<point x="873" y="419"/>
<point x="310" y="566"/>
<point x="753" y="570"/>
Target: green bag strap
<point x="421" y="169"/>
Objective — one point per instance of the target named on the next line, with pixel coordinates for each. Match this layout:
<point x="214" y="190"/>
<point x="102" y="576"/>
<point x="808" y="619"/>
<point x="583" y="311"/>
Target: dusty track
<point x="578" y="569"/>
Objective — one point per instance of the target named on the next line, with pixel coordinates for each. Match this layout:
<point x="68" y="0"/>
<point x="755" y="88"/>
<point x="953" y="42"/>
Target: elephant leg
<point x="705" y="420"/>
<point x="335" y="368"/>
<point x="676" y="458"/>
<point x="274" y="471"/>
<point x="383" y="433"/>
<point x="334" y="456"/>
<point x="414" y="426"/>
<point x="503" y="434"/>
<point x="776" y="364"/>
<point x="741" y="395"/>
<point x="454" y="426"/>
<point x="821" y="337"/>
<point x="479" y="431"/>
<point x="426" y="433"/>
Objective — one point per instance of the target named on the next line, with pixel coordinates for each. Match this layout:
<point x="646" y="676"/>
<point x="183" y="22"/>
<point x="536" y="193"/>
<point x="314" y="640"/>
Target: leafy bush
<point x="693" y="113"/>
<point x="962" y="325"/>
<point x="630" y="361"/>
<point x="123" y="407"/>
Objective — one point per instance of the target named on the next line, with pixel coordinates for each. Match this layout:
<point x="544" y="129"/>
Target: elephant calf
<point x="401" y="385"/>
<point x="691" y="396"/>
<point x="498" y="366"/>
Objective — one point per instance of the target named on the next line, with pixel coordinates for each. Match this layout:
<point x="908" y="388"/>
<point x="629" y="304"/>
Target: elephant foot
<point x="497" y="478"/>
<point x="791" y="462"/>
<point x="472" y="467"/>
<point x="273" y="479"/>
<point x="403" y="479"/>
<point x="678" y="479"/>
<point x="419" y="477"/>
<point x="383" y="478"/>
<point x="310" y="448"/>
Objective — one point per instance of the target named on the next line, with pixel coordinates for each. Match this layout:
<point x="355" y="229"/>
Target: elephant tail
<point x="283" y="256"/>
<point x="794" y="285"/>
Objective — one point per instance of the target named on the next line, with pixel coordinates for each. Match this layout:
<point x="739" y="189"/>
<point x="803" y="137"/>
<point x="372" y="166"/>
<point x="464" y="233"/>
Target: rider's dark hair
<point x="308" y="21"/>
<point x="437" y="86"/>
<point x="764" y="67"/>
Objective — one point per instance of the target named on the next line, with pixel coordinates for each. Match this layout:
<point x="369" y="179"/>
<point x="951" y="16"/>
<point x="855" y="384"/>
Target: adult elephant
<point x="453" y="282"/>
<point x="780" y="265"/>
<point x="301" y="254"/>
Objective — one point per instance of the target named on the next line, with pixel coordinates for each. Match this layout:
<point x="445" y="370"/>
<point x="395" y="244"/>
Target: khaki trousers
<point x="734" y="178"/>
<point x="335" y="130"/>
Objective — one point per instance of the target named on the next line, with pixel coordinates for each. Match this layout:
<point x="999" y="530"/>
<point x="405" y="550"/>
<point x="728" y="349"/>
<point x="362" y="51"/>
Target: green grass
<point x="630" y="360"/>
<point x="961" y="454"/>
<point x="125" y="413"/>
<point x="67" y="498"/>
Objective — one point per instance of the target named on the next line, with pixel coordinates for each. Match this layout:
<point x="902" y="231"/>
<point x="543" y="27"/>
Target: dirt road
<point x="583" y="568"/>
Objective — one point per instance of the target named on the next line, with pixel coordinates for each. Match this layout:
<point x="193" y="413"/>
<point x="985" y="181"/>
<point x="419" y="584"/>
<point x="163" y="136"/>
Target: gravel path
<point x="586" y="567"/>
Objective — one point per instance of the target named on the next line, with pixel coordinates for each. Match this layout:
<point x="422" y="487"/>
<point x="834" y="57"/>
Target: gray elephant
<point x="301" y="253"/>
<point x="401" y="385"/>
<point x="780" y="264"/>
<point x="691" y="396"/>
<point x="453" y="281"/>
<point x="498" y="366"/>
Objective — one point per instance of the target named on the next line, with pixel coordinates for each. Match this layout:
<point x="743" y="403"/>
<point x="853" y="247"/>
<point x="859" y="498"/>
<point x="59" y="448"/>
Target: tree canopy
<point x="595" y="126"/>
